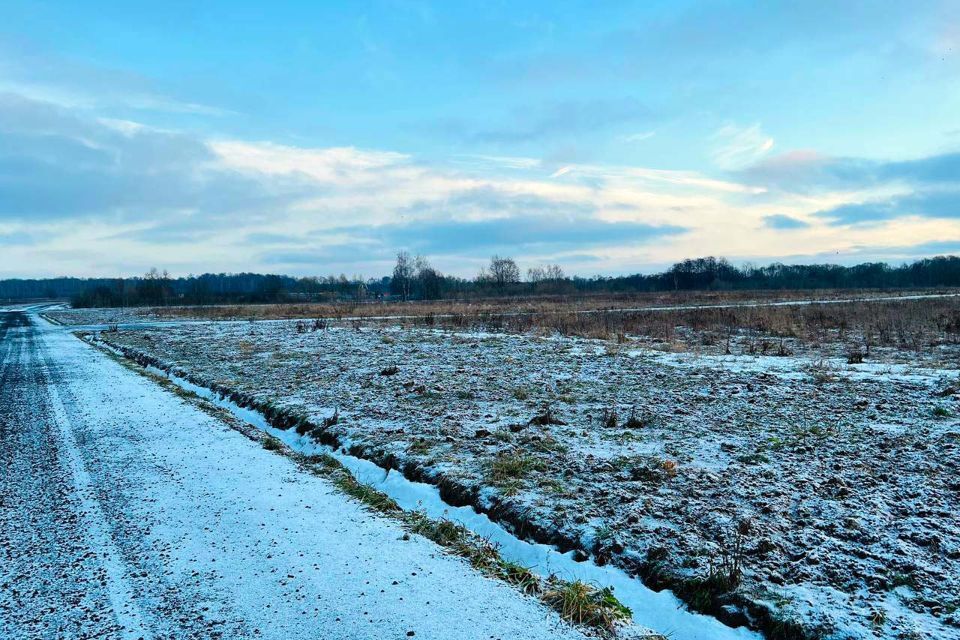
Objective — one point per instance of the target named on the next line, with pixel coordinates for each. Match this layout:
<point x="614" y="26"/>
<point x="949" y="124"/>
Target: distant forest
<point x="414" y="279"/>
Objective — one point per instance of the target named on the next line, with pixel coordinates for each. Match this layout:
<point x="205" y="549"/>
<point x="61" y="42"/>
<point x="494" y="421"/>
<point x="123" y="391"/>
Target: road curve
<point x="127" y="512"/>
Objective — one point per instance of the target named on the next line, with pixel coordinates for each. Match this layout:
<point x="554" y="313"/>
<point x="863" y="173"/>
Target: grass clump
<point x="329" y="467"/>
<point x="420" y="446"/>
<point x="577" y="602"/>
<point x="941" y="412"/>
<point x="520" y="394"/>
<point x="510" y="468"/>
<point x="364" y="493"/>
<point x="271" y="444"/>
<point x="753" y="458"/>
<point x="482" y="554"/>
<point x="520" y="577"/>
<point x="581" y="603"/>
<point x="637" y="422"/>
<point x="444" y="532"/>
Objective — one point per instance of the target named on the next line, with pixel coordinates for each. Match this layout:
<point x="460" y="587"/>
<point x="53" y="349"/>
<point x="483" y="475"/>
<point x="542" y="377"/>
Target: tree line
<point x="413" y="278"/>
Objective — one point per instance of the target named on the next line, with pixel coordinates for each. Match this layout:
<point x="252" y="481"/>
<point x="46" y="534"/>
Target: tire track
<point x="57" y="578"/>
<point x="121" y="594"/>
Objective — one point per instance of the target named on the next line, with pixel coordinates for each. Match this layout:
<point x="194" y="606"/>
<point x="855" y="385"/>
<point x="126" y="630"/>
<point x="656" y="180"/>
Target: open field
<point x="127" y="511"/>
<point x="872" y="326"/>
<point x="479" y="308"/>
<point x="791" y="485"/>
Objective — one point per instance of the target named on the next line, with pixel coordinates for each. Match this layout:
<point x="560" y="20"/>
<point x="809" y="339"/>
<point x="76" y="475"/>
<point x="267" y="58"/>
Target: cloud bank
<point x="96" y="196"/>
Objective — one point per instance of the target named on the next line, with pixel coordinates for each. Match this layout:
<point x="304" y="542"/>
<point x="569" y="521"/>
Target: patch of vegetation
<point x="329" y="467"/>
<point x="855" y="357"/>
<point x="519" y="576"/>
<point x="545" y="444"/>
<point x="822" y="372"/>
<point x="420" y="446"/>
<point x="637" y="422"/>
<point x="366" y="494"/>
<point x="941" y="412"/>
<point x="520" y="393"/>
<point x="725" y="571"/>
<point x="513" y="465"/>
<point x="332" y="420"/>
<point x="610" y="419"/>
<point x="482" y="554"/>
<point x="603" y="536"/>
<point x="270" y="443"/>
<point x="554" y="486"/>
<point x="753" y="458"/>
<point x="902" y="580"/>
<point x="546" y="418"/>
<point x="623" y="437"/>
<point x="582" y="603"/>
<point x="647" y="471"/>
<point x="701" y="592"/>
<point x="878" y="617"/>
<point x="576" y="602"/>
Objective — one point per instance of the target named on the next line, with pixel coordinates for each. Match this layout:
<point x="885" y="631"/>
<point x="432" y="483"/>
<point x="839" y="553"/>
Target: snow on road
<point x="127" y="512"/>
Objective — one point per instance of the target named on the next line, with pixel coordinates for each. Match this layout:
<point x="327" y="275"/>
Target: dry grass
<point x="581" y="603"/>
<point x="429" y="311"/>
<point x="910" y="324"/>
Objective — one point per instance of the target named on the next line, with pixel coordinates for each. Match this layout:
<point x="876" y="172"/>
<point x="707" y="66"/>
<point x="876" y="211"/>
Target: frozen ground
<point x="841" y="479"/>
<point x="127" y="512"/>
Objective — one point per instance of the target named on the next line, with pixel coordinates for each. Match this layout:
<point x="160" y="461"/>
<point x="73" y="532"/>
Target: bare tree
<point x="403" y="274"/>
<point x="154" y="287"/>
<point x="554" y="272"/>
<point x="502" y="272"/>
<point x="545" y="273"/>
<point x="429" y="280"/>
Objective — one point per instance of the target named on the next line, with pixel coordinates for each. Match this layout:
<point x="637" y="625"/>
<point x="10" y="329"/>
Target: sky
<point x="316" y="138"/>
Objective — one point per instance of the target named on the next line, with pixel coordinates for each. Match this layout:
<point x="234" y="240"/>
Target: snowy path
<point x="126" y="512"/>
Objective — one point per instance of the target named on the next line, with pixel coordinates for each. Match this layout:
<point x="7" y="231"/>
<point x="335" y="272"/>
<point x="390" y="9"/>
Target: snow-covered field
<point x="835" y="486"/>
<point x="128" y="512"/>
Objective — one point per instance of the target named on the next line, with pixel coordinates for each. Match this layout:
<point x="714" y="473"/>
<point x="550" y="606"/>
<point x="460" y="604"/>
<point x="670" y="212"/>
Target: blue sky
<point x="315" y="138"/>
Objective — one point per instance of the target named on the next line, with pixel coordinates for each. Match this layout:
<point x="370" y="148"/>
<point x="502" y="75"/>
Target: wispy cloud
<point x="737" y="147"/>
<point x="47" y="77"/>
<point x="144" y="195"/>
<point x="639" y="137"/>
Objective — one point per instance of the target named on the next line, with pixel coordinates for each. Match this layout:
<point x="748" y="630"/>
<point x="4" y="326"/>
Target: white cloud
<point x="737" y="147"/>
<point x="509" y="162"/>
<point x="330" y="165"/>
<point x="101" y="197"/>
<point x="639" y="137"/>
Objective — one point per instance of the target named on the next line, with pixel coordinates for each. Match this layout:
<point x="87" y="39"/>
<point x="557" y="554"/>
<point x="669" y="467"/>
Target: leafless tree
<point x="403" y="274"/>
<point x="428" y="279"/>
<point x="545" y="273"/>
<point x="502" y="272"/>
